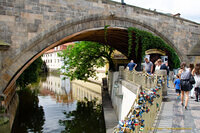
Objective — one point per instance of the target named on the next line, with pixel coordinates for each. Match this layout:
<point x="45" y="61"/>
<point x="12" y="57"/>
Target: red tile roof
<point x="62" y="47"/>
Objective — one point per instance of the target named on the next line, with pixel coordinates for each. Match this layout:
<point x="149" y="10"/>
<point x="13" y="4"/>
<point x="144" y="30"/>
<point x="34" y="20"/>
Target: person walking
<point x="191" y="68"/>
<point x="148" y="66"/>
<point x="185" y="74"/>
<point x="196" y="73"/>
<point x="131" y="65"/>
<point x="177" y="86"/>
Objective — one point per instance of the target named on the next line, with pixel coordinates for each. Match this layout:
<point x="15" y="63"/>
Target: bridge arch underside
<point x="87" y="29"/>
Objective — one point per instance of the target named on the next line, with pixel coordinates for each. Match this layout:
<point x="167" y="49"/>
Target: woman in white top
<point x="196" y="73"/>
<point x="158" y="64"/>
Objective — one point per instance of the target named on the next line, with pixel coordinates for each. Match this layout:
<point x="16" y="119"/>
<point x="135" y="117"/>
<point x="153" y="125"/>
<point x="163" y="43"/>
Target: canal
<point x="54" y="105"/>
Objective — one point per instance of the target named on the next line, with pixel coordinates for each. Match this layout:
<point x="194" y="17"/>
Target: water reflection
<point x="83" y="89"/>
<point x="56" y="96"/>
<point x="64" y="91"/>
<point x="31" y="115"/>
<point x="59" y="89"/>
<point x="87" y="118"/>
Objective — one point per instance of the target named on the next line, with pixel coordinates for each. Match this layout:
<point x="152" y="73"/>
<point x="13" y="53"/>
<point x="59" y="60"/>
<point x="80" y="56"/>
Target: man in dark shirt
<point x="131" y="65"/>
<point x="165" y="67"/>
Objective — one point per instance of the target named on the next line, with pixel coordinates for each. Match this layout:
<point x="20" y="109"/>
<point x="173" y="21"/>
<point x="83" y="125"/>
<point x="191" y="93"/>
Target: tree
<point x="81" y="59"/>
<point x="31" y="74"/>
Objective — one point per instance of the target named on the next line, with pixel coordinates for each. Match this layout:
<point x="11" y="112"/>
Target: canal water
<point x="55" y="105"/>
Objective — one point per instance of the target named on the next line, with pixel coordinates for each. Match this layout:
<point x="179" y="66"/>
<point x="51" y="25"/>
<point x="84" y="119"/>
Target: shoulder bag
<point x="192" y="80"/>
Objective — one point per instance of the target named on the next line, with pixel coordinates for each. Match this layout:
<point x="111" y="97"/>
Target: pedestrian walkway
<point x="174" y="118"/>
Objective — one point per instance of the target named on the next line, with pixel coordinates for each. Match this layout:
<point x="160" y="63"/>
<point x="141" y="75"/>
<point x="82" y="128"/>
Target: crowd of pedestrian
<point x="186" y="84"/>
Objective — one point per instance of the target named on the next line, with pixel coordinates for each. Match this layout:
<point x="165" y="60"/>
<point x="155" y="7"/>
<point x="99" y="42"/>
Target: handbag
<point x="186" y="85"/>
<point x="192" y="80"/>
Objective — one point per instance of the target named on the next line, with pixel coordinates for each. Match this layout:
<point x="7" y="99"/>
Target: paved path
<point x="109" y="114"/>
<point x="174" y="118"/>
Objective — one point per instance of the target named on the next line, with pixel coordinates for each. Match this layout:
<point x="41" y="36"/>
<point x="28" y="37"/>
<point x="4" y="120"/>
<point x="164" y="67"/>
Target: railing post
<point x="163" y="73"/>
<point x="121" y="70"/>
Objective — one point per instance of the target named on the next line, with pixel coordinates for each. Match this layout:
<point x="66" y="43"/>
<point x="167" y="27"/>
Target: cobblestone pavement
<point x="174" y="118"/>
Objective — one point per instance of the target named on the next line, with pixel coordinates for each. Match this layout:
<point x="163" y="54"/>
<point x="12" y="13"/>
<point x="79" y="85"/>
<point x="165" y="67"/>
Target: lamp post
<point x="122" y="1"/>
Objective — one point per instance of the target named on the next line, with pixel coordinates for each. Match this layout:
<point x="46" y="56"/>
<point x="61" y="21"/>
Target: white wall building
<point x="51" y="58"/>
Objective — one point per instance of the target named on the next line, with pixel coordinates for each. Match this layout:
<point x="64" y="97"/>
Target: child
<point x="177" y="86"/>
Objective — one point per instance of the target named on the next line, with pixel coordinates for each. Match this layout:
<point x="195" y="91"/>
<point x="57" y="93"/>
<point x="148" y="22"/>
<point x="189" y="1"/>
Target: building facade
<point x="51" y="58"/>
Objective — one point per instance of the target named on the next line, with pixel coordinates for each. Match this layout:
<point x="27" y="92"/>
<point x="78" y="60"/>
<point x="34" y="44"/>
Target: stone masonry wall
<point x="30" y="26"/>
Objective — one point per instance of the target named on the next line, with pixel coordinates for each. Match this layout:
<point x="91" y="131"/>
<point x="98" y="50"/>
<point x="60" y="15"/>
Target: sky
<point x="189" y="9"/>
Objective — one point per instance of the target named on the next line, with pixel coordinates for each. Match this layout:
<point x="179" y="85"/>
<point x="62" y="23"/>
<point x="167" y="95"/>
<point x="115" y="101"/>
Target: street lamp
<point x="122" y="1"/>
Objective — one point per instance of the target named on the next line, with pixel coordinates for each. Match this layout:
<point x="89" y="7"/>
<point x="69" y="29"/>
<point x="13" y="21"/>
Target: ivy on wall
<point x="106" y="33"/>
<point x="140" y="41"/>
<point x="130" y="40"/>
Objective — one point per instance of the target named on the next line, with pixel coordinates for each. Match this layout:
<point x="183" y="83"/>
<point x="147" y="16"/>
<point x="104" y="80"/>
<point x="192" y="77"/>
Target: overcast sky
<point x="189" y="9"/>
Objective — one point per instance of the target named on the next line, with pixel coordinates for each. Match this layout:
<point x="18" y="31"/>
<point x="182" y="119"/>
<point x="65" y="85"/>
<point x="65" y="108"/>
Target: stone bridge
<point x="28" y="28"/>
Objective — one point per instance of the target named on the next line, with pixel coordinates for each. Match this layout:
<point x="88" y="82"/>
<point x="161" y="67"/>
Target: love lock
<point x="141" y="113"/>
<point x="129" y="123"/>
<point x="121" y="123"/>
<point x="134" y="112"/>
<point x="142" y="128"/>
<point x="138" y="114"/>
<point x="140" y="101"/>
<point x="133" y="127"/>
<point x="132" y="117"/>
<point x="136" y="122"/>
<point x="142" y="93"/>
<point x="142" y="121"/>
<point x="157" y="105"/>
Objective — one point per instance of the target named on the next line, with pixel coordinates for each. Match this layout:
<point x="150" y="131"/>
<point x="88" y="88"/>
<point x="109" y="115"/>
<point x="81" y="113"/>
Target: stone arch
<point x="64" y="32"/>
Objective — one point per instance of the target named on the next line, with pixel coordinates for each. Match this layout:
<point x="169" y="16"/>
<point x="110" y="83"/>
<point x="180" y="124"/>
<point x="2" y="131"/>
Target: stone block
<point x="32" y="27"/>
<point x="6" y="18"/>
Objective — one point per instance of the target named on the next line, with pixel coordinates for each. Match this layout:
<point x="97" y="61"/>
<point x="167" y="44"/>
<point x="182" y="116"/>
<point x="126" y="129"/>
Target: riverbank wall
<point x="9" y="106"/>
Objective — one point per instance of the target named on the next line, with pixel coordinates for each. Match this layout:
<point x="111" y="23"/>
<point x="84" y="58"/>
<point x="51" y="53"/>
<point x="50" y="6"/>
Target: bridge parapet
<point x="147" y="103"/>
<point x="140" y="78"/>
<point x="144" y="79"/>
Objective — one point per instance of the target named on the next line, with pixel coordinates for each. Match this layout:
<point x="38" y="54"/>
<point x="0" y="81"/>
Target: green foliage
<point x="81" y="59"/>
<point x="31" y="115"/>
<point x="147" y="40"/>
<point x="87" y="118"/>
<point x="105" y="33"/>
<point x="130" y="40"/>
<point x="31" y="74"/>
